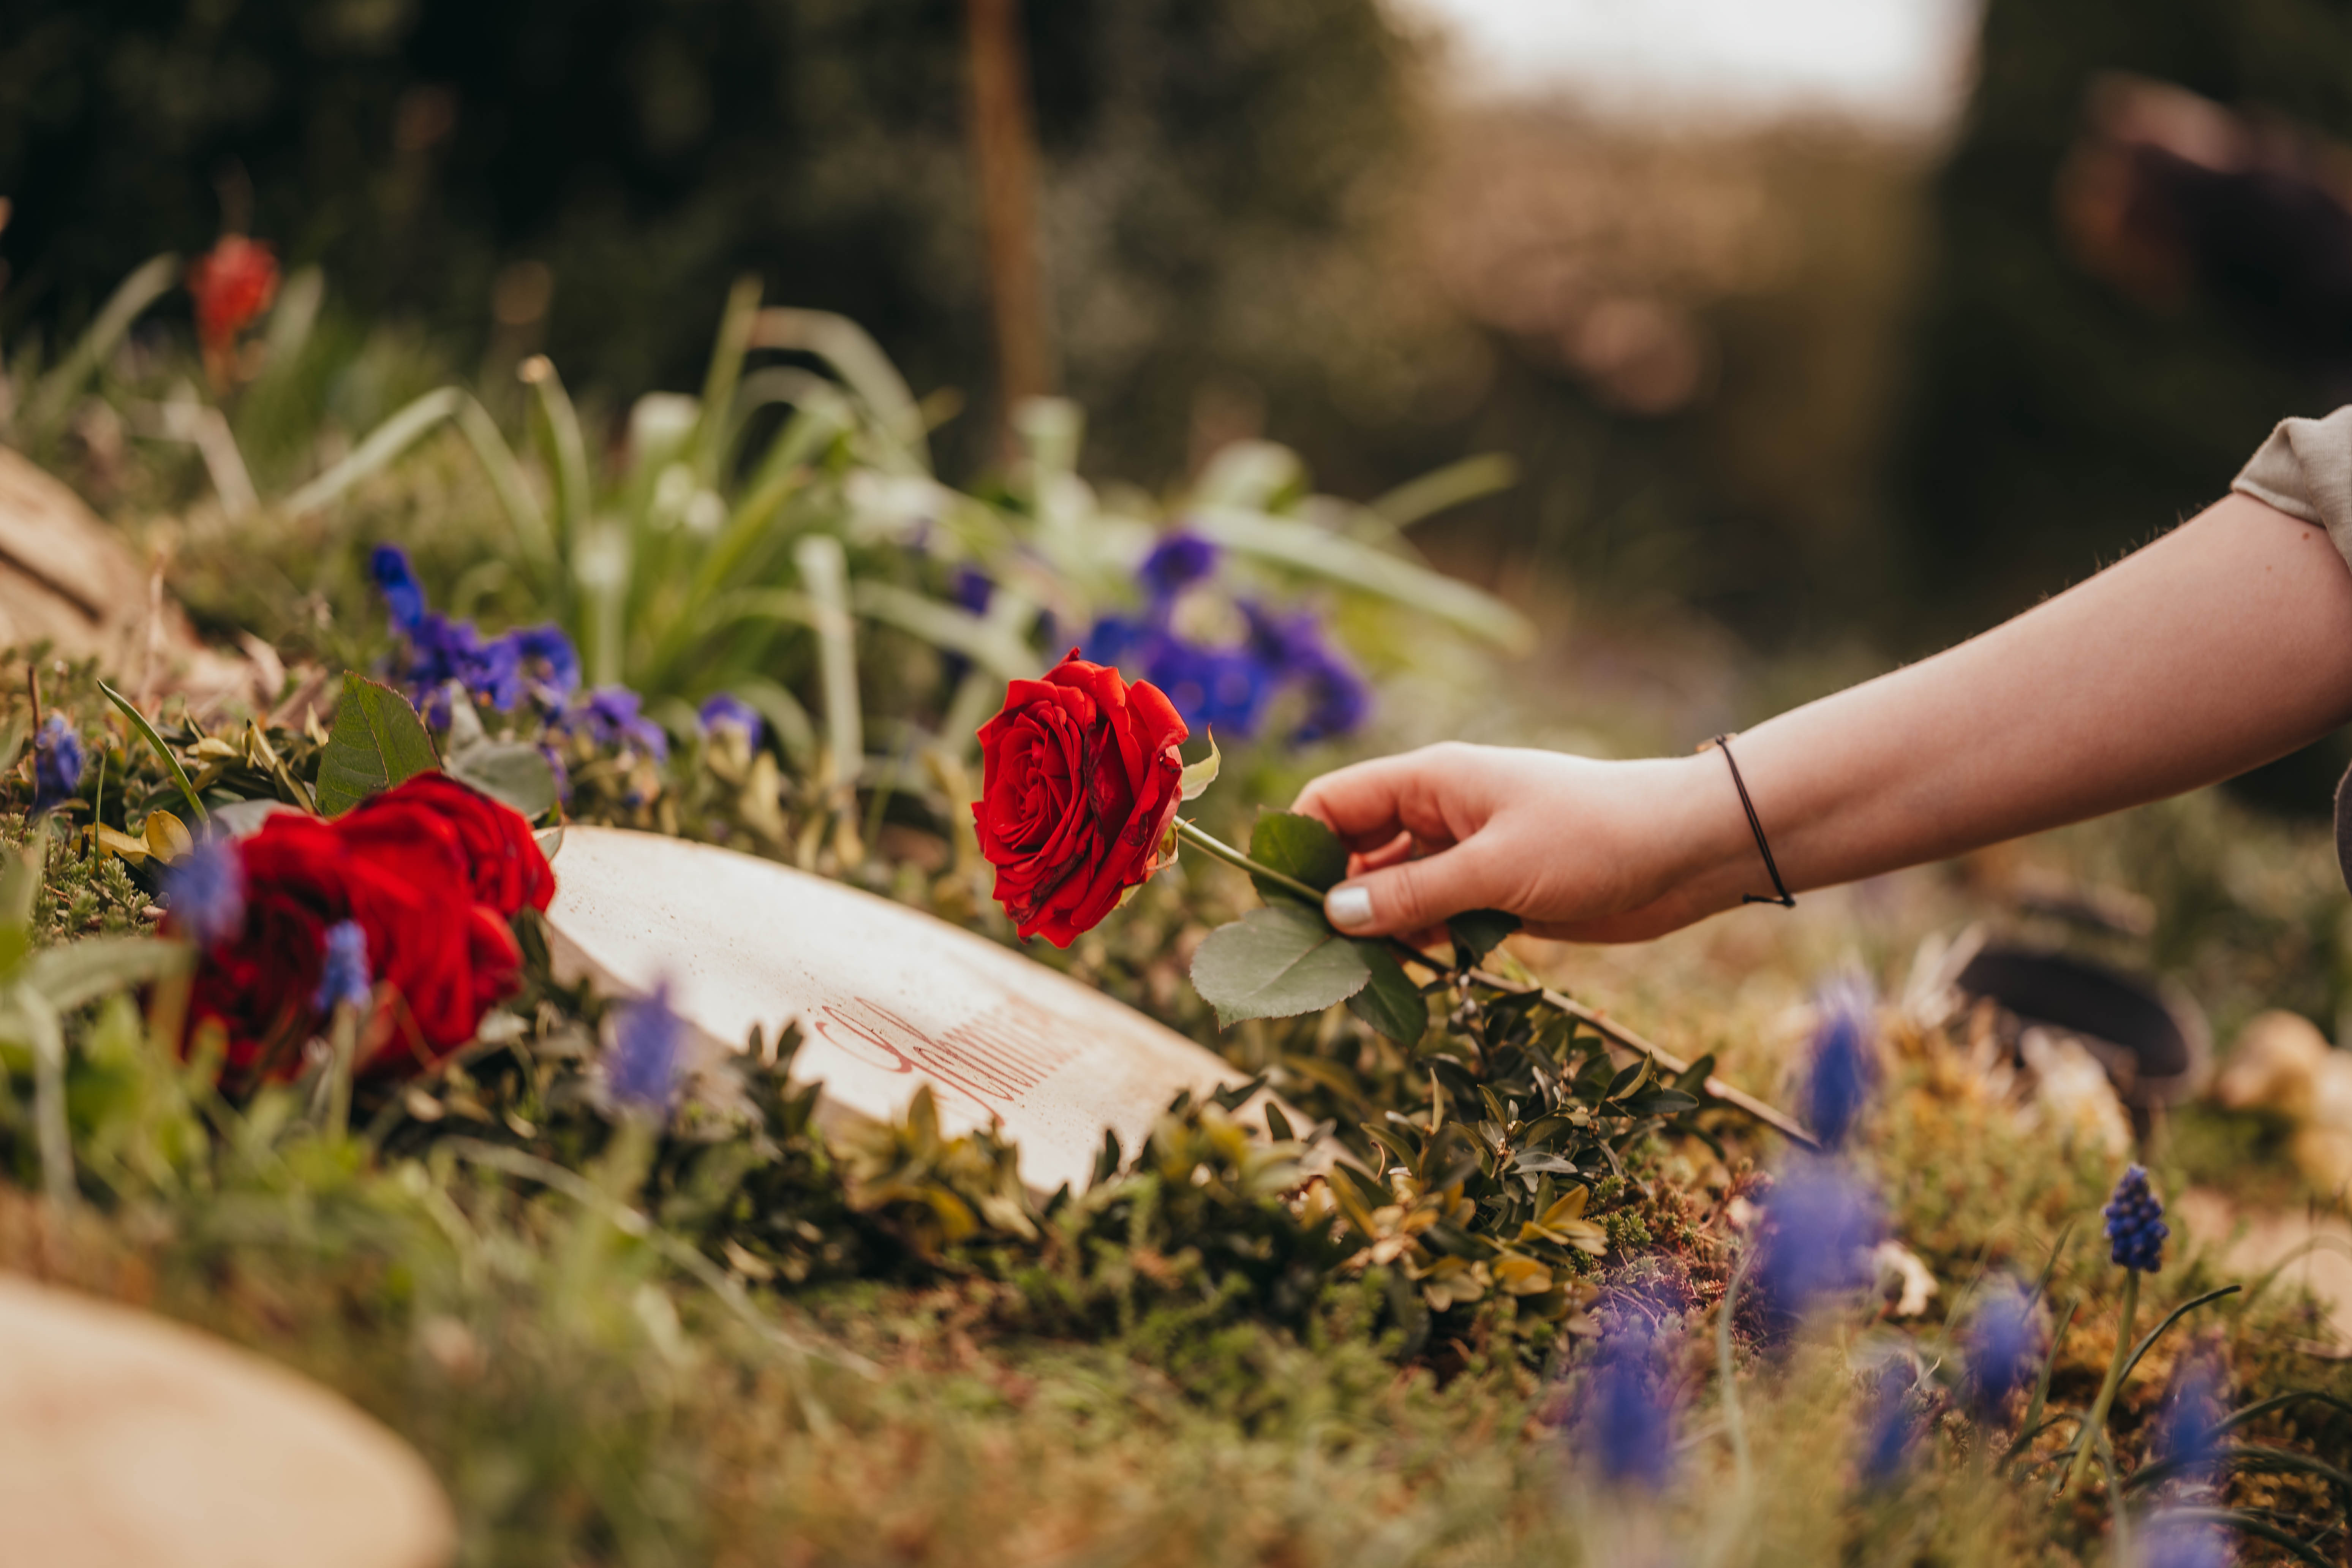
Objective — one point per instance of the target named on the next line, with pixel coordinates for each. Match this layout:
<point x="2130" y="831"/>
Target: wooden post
<point x="1004" y="150"/>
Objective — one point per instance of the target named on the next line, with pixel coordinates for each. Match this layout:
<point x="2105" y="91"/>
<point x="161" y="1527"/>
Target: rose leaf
<point x="1477" y="933"/>
<point x="1275" y="963"/>
<point x="1297" y="847"/>
<point x="510" y="773"/>
<point x="378" y="742"/>
<point x="1388" y="1002"/>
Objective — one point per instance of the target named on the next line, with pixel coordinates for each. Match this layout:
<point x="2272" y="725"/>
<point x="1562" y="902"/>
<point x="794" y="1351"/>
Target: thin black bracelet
<point x="1787" y="901"/>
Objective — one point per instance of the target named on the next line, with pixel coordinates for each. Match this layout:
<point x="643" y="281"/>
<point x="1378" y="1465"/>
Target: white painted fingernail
<point x="1348" y="906"/>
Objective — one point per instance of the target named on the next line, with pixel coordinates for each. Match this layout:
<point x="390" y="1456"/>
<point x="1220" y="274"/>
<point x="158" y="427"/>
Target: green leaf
<point x="79" y="972"/>
<point x="1297" y="847"/>
<point x="1275" y="963"/>
<point x="511" y="772"/>
<point x="378" y="742"/>
<point x="1197" y="776"/>
<point x="155" y="745"/>
<point x="1388" y="1002"/>
<point x="1476" y="933"/>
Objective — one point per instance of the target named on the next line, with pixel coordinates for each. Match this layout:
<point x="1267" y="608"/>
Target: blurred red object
<point x="231" y="284"/>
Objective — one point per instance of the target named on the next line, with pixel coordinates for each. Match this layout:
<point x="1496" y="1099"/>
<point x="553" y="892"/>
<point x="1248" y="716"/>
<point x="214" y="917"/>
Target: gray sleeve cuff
<point x="2304" y="469"/>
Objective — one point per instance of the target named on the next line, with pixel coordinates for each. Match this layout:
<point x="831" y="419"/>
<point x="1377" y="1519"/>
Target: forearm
<point x="2223" y="645"/>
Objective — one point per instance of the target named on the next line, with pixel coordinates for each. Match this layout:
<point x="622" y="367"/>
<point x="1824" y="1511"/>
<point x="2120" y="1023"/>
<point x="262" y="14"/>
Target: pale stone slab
<point x="886" y="997"/>
<point x="127" y="1441"/>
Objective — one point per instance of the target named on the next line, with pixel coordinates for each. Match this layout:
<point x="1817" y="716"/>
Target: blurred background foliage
<point x="1807" y="385"/>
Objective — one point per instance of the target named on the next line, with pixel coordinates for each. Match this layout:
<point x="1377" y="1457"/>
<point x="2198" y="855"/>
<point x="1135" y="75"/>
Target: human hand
<point x="1579" y="850"/>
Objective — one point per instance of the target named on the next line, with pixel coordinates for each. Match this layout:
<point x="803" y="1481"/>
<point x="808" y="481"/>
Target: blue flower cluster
<point x="1892" y="1426"/>
<point x="1838" y="1085"/>
<point x="1628" y="1417"/>
<point x="534" y="663"/>
<point x="2188" y="1429"/>
<point x="641" y="1067"/>
<point x="57" y="764"/>
<point x="728" y="712"/>
<point x="344" y="977"/>
<point x="1823" y="1227"/>
<point x="1229" y="688"/>
<point x="537" y="662"/>
<point x="2136" y="1227"/>
<point x="205" y="890"/>
<point x="2003" y="1344"/>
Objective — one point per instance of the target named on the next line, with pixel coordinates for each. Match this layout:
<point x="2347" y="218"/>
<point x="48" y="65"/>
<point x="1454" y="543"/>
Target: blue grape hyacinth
<point x="2136" y="1227"/>
<point x="1823" y="1225"/>
<point x="2003" y="1345"/>
<point x="344" y="977"/>
<point x="205" y="892"/>
<point x="641" y="1067"/>
<point x="1892" y="1427"/>
<point x="57" y="764"/>
<point x="2188" y="1431"/>
<point x="1628" y="1417"/>
<point x="1837" y="1084"/>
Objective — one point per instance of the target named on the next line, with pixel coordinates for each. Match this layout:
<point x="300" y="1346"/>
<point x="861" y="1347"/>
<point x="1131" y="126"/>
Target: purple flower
<point x="57" y="764"/>
<point x="1823" y="1227"/>
<point x="728" y="711"/>
<point x="1295" y="653"/>
<point x="1112" y="639"/>
<point x="1214" y="689"/>
<point x="549" y="663"/>
<point x="1338" y="702"/>
<point x="609" y="717"/>
<point x="971" y="587"/>
<point x="395" y="579"/>
<point x="561" y="769"/>
<point x="1893" y="1428"/>
<point x="441" y="650"/>
<point x="641" y="1067"/>
<point x="1628" y="1417"/>
<point x="2002" y="1347"/>
<point x="2188" y="1427"/>
<point x="2136" y="1227"/>
<point x="1178" y="561"/>
<point x="1837" y="1084"/>
<point x="344" y="977"/>
<point x="205" y="892"/>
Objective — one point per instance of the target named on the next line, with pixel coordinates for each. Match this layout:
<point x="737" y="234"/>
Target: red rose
<point x="433" y="908"/>
<point x="501" y="854"/>
<point x="1079" y="781"/>
<point x="231" y="284"/>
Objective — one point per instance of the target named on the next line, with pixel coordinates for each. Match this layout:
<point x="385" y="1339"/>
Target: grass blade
<point x="153" y="279"/>
<point x="155" y="743"/>
<point x="1307" y="548"/>
<point x="2173" y="1317"/>
<point x="384" y="443"/>
<point x="825" y="576"/>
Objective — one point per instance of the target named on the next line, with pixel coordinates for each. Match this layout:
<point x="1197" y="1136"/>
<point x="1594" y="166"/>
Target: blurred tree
<point x="1212" y="171"/>
<point x="2058" y="419"/>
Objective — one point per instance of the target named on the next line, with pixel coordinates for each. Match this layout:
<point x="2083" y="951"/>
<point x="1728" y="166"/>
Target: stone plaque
<point x="886" y="997"/>
<point x="127" y="1441"/>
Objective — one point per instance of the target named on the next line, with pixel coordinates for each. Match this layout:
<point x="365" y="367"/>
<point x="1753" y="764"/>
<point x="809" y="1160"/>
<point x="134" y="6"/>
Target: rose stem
<point x="1779" y="1121"/>
<point x="1232" y="857"/>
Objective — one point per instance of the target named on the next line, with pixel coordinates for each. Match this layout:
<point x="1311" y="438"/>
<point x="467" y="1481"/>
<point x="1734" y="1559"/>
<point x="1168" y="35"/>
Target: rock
<point x="69" y="578"/>
<point x="2284" y="1064"/>
<point x="127" y="1441"/>
<point x="886" y="997"/>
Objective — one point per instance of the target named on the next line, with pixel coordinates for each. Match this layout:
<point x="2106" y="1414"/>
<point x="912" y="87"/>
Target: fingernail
<point x="1348" y="906"/>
